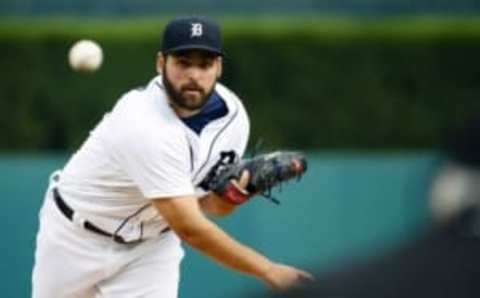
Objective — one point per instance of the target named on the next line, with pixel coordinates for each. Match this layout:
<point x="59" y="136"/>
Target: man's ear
<point x="160" y="62"/>
<point x="220" y="66"/>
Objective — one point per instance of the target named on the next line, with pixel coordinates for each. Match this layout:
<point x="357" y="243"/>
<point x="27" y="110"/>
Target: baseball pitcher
<point x="114" y="217"/>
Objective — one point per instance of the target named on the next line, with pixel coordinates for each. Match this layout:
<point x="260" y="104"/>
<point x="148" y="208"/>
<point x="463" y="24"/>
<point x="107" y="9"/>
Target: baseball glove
<point x="266" y="171"/>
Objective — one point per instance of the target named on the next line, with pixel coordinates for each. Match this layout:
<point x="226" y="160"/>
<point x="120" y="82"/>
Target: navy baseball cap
<point x="188" y="33"/>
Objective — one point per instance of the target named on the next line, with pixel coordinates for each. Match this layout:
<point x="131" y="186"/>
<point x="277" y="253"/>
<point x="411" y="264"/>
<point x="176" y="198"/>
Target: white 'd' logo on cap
<point x="197" y="30"/>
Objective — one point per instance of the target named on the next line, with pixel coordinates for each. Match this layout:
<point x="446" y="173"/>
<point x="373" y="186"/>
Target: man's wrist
<point x="264" y="271"/>
<point x="234" y="194"/>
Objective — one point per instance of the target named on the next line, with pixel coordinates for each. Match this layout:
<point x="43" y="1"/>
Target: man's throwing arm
<point x="187" y="220"/>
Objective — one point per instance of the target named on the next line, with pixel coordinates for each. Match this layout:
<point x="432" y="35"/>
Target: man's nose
<point x="194" y="73"/>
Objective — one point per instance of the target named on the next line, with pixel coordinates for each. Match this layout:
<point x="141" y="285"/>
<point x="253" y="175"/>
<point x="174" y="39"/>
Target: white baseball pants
<point x="71" y="262"/>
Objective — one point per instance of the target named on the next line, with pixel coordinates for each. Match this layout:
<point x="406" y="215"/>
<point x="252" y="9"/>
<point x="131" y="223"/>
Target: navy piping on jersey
<point x="191" y="157"/>
<point x="213" y="143"/>
<point x="127" y="219"/>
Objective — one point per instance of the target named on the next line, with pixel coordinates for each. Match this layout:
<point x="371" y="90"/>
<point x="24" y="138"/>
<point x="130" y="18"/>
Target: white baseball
<point x="85" y="55"/>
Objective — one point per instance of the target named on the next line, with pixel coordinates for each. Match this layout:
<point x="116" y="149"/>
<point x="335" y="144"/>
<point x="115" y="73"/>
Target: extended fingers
<point x="305" y="276"/>
<point x="244" y="179"/>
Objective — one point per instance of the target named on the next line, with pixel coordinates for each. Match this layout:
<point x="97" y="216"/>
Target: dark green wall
<point x="310" y="82"/>
<point x="347" y="204"/>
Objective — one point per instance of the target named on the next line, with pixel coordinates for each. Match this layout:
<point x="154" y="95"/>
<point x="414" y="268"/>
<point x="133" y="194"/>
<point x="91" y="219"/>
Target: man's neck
<point x="182" y="112"/>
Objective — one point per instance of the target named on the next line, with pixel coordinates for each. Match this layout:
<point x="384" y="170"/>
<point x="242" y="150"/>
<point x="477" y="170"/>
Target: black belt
<point x="68" y="212"/>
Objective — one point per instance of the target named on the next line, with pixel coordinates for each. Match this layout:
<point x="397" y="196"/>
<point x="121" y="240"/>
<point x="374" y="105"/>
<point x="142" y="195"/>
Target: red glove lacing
<point x="233" y="194"/>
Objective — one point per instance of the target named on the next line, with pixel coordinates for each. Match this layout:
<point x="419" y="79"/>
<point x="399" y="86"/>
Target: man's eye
<point x="183" y="63"/>
<point x="206" y="64"/>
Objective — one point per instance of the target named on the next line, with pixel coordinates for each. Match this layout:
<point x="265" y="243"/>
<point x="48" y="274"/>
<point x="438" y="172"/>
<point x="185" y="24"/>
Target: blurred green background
<point x="368" y="88"/>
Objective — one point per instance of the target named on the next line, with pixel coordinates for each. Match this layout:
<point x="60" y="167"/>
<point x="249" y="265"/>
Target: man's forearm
<point x="215" y="205"/>
<point x="187" y="220"/>
<point x="215" y="243"/>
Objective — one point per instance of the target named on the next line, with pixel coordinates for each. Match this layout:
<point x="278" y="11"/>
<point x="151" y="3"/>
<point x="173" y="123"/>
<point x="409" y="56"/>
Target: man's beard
<point x="178" y="99"/>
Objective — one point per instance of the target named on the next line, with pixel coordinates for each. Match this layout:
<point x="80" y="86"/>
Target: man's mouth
<point x="192" y="91"/>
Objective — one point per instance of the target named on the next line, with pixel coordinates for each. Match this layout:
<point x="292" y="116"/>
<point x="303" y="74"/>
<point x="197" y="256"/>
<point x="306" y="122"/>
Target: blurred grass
<point x="329" y="27"/>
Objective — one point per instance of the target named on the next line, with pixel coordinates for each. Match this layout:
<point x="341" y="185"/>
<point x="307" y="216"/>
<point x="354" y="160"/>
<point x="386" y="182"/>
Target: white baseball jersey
<point x="142" y="150"/>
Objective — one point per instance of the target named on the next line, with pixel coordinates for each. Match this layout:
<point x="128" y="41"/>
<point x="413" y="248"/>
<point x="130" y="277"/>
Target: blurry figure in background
<point x="444" y="262"/>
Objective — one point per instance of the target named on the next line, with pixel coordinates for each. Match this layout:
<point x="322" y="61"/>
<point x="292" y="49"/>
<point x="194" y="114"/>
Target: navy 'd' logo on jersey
<point x="226" y="158"/>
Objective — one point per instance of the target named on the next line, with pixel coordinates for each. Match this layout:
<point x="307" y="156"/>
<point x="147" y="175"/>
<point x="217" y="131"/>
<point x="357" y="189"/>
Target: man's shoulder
<point x="226" y="93"/>
<point x="145" y="111"/>
<point x="139" y="95"/>
<point x="233" y="102"/>
<point x="145" y="102"/>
